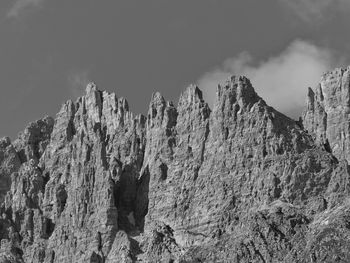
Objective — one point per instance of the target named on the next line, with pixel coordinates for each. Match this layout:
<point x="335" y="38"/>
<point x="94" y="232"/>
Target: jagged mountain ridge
<point x="239" y="183"/>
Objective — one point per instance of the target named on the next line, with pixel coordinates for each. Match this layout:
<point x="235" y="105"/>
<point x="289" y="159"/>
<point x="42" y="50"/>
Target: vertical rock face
<point x="239" y="183"/>
<point x="327" y="113"/>
<point x="9" y="163"/>
<point x="32" y="143"/>
<point x="92" y="163"/>
<point x="77" y="183"/>
<point x="242" y="155"/>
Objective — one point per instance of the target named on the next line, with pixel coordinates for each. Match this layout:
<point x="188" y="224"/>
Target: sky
<point x="50" y="50"/>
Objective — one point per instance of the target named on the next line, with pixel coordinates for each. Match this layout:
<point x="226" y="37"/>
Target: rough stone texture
<point x="9" y="163"/>
<point x="327" y="113"/>
<point x="238" y="183"/>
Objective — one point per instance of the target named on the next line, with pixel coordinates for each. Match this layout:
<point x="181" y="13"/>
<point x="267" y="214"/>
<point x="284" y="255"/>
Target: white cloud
<point x="280" y="80"/>
<point x="19" y="6"/>
<point x="77" y="81"/>
<point x="311" y="11"/>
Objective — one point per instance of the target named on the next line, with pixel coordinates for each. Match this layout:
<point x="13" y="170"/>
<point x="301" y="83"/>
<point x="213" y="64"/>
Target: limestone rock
<point x="32" y="142"/>
<point x="238" y="183"/>
<point x="9" y="163"/>
<point x="327" y="112"/>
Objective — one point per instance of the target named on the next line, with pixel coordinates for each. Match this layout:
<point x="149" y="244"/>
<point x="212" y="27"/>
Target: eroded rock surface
<point x="238" y="183"/>
<point x="327" y="114"/>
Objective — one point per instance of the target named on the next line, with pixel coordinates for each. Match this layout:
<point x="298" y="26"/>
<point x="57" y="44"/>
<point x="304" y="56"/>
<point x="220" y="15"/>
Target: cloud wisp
<point x="77" y="81"/>
<point x="312" y="11"/>
<point x="20" y="6"/>
<point x="280" y="80"/>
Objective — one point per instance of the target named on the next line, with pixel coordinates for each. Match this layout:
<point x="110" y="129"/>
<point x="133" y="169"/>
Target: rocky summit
<point x="237" y="183"/>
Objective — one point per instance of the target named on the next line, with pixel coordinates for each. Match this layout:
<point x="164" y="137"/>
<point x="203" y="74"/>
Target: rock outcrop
<point x="327" y="113"/>
<point x="238" y="183"/>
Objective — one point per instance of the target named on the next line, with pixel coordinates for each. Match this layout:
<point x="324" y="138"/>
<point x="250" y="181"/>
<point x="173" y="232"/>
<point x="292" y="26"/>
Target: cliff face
<point x="239" y="183"/>
<point x="327" y="112"/>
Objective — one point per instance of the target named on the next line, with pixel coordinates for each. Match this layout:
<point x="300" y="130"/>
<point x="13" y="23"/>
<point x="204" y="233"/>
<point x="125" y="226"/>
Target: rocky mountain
<point x="237" y="183"/>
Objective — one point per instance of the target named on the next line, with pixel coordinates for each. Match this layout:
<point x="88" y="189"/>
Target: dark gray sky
<point x="50" y="49"/>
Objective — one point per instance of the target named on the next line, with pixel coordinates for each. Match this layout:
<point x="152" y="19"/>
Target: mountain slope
<point x="239" y="183"/>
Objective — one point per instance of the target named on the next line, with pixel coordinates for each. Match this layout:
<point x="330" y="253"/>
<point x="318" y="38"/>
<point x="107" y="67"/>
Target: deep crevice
<point x="142" y="199"/>
<point x="52" y="257"/>
<point x="327" y="146"/>
<point x="164" y="171"/>
<point x="95" y="258"/>
<point x="61" y="196"/>
<point x="125" y="195"/>
<point x="48" y="227"/>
